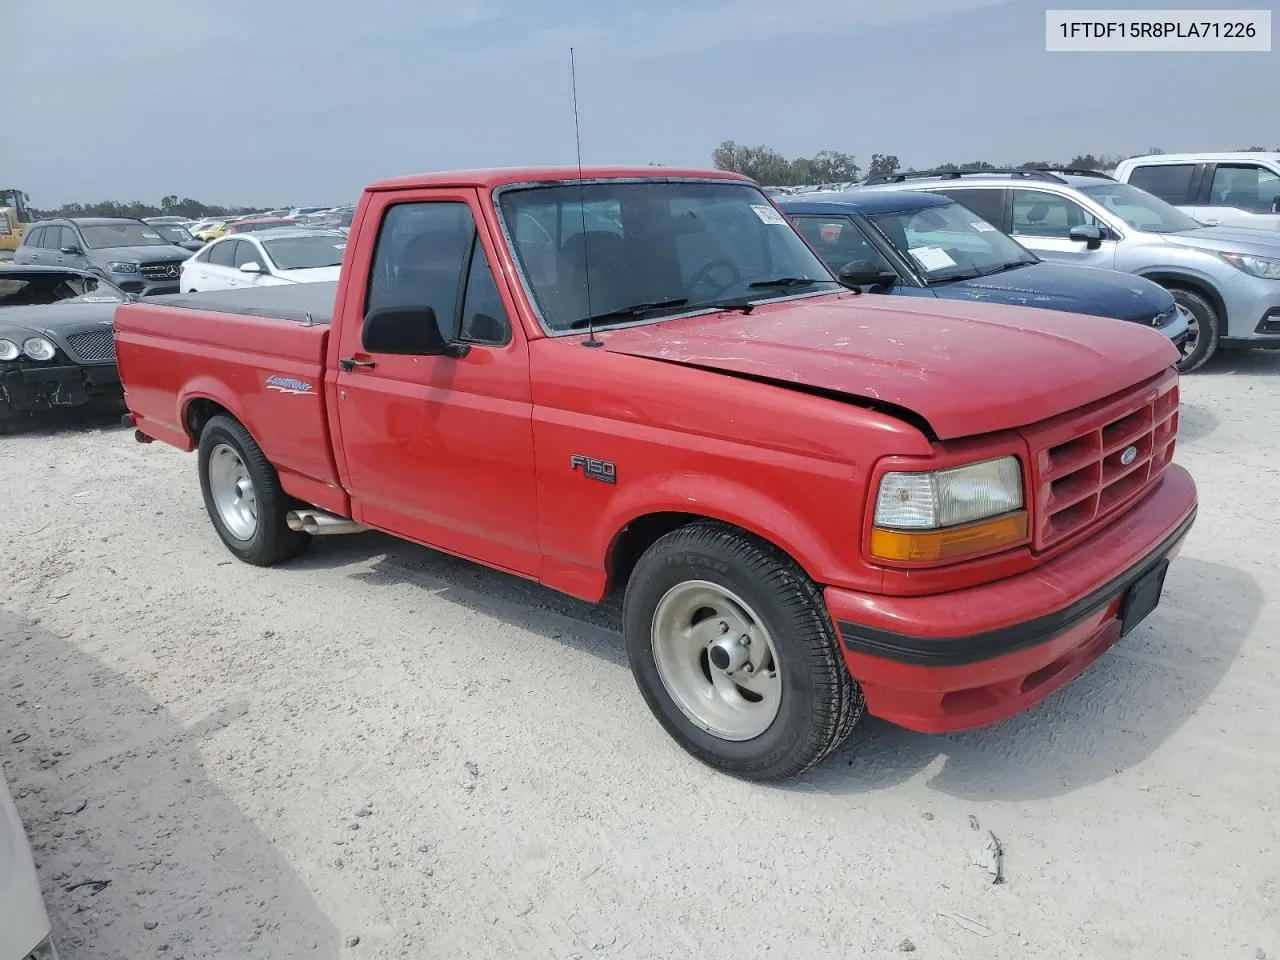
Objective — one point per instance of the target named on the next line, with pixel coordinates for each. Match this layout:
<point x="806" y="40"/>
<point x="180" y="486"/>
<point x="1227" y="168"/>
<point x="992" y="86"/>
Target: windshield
<point x="1141" y="210"/>
<point x="31" y="289"/>
<point x="673" y="246"/>
<point x="122" y="235"/>
<point x="172" y="232"/>
<point x="304" y="253"/>
<point x="950" y="242"/>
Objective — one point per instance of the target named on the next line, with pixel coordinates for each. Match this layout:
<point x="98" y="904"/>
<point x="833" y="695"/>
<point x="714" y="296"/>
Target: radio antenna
<point x="591" y="340"/>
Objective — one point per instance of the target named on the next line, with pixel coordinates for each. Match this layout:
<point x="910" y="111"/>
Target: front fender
<point x="730" y="501"/>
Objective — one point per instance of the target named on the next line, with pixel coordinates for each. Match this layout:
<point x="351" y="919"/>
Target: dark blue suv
<point x="928" y="245"/>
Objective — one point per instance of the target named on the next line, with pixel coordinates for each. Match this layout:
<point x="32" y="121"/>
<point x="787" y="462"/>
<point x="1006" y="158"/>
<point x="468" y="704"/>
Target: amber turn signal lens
<point x="950" y="542"/>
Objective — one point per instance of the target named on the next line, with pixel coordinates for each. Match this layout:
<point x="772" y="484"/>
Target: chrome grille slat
<point x="160" y="271"/>
<point x="1079" y="480"/>
<point x="93" y="347"/>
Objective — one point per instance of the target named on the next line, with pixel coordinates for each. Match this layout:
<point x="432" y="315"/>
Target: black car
<point x="131" y="254"/>
<point x="926" y="245"/>
<point x="57" y="346"/>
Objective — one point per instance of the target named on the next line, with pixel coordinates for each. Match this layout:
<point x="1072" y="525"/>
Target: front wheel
<point x="733" y="650"/>
<point x="1202" y="342"/>
<point x="243" y="496"/>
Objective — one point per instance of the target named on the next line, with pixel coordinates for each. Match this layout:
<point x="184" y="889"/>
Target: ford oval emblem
<point x="1130" y="454"/>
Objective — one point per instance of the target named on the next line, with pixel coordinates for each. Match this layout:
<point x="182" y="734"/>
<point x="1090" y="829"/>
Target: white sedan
<point x="24" y="922"/>
<point x="265" y="258"/>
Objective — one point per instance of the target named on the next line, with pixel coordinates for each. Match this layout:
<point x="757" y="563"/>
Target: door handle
<point x="1212" y="223"/>
<point x="350" y="363"/>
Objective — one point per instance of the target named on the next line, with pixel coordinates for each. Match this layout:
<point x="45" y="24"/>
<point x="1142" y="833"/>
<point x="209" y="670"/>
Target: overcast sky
<point x="303" y="101"/>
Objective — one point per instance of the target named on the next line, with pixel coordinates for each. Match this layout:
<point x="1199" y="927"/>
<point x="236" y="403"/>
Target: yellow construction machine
<point x="13" y="218"/>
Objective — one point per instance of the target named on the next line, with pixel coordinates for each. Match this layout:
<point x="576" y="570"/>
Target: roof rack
<point x="1075" y="172"/>
<point x="1052" y="174"/>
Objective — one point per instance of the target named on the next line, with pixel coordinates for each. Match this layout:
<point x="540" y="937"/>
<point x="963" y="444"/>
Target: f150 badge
<point x="606" y="471"/>
<point x="288" y="385"/>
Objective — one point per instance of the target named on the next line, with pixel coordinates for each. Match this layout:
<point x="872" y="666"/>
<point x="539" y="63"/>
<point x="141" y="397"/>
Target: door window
<point x="1245" y="186"/>
<point x="1040" y="214"/>
<point x="839" y="241"/>
<point x="986" y="203"/>
<point x="484" y="317"/>
<point x="1171" y="182"/>
<point x="223" y="254"/>
<point x="246" y="252"/>
<point x="419" y="260"/>
<point x="67" y="238"/>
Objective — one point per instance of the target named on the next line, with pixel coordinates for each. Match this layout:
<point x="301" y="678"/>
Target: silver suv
<point x="1227" y="278"/>
<point x="1218" y="189"/>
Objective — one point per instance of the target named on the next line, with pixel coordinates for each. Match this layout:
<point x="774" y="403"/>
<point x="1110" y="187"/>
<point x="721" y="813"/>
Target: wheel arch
<point x="1171" y="279"/>
<point x="632" y="531"/>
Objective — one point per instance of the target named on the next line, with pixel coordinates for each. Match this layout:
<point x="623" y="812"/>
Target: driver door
<point x="434" y="448"/>
<point x="1042" y="222"/>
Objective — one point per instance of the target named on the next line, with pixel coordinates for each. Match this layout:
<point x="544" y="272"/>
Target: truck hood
<point x="965" y="368"/>
<point x="1260" y="243"/>
<point x="1064" y="286"/>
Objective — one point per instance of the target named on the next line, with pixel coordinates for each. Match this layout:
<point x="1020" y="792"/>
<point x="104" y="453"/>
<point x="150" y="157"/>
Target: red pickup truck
<point x="639" y="380"/>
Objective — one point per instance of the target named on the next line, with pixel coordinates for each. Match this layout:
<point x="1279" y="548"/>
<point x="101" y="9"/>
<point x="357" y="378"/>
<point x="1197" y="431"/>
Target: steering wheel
<point x="703" y="272"/>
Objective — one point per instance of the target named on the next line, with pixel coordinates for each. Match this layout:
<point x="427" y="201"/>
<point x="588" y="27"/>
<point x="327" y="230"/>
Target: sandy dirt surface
<point x="378" y="742"/>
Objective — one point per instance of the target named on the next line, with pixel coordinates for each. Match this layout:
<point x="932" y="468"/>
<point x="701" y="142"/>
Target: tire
<point x="1207" y="333"/>
<point x="808" y="703"/>
<point x="253" y="528"/>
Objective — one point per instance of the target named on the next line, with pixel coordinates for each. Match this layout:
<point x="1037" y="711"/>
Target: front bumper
<point x="1253" y="307"/>
<point x="27" y="387"/>
<point x="973" y="657"/>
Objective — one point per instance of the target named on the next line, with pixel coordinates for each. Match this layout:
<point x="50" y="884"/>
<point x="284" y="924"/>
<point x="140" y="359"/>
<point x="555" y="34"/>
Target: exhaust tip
<point x="294" y="521"/>
<point x="309" y="525"/>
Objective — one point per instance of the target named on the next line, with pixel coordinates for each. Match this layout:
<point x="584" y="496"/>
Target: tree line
<point x="169" y="206"/>
<point x="771" y="168"/>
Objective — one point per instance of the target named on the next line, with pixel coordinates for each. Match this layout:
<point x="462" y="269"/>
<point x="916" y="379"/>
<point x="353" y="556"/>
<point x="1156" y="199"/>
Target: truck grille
<point x="161" y="271"/>
<point x="1079" y="474"/>
<point x="92" y="347"/>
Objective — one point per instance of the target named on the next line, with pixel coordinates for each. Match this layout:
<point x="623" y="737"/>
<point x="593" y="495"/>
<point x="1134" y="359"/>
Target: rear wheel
<point x="1202" y="342"/>
<point x="243" y="497"/>
<point x="733" y="650"/>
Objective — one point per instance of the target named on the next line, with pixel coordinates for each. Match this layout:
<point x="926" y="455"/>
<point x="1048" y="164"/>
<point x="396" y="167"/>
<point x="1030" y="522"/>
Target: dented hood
<point x="965" y="368"/>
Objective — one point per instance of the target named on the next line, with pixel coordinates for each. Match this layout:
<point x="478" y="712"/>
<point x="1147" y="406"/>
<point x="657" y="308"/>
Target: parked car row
<point x="1225" y="279"/>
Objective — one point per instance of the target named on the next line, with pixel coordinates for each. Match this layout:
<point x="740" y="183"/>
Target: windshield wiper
<point x="786" y="282"/>
<point x="631" y="312"/>
<point x="1005" y="266"/>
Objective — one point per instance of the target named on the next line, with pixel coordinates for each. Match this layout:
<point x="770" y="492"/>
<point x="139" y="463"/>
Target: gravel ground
<point x="382" y="752"/>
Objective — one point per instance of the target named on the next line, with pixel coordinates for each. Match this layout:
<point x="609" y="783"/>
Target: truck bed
<point x="259" y="354"/>
<point x="301" y="302"/>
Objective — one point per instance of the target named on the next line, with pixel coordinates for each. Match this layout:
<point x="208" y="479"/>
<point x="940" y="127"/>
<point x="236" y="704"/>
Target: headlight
<point x="9" y="350"/>
<point x="115" y="267"/>
<point x="943" y="514"/>
<point x="38" y="348"/>
<point x="1263" y="267"/>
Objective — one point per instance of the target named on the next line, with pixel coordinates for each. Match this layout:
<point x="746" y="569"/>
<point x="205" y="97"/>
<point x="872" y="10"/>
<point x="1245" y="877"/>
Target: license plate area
<point x="1142" y="597"/>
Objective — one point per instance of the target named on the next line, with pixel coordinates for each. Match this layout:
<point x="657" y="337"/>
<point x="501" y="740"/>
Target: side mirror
<point x="251" y="267"/>
<point x="72" y="250"/>
<point x="864" y="273"/>
<point x="1275" y="204"/>
<point x="1088" y="234"/>
<point x="407" y="331"/>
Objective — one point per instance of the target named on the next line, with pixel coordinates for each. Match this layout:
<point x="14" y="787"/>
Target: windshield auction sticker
<point x="1158" y="31"/>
